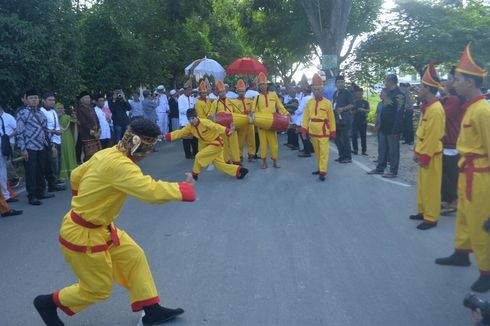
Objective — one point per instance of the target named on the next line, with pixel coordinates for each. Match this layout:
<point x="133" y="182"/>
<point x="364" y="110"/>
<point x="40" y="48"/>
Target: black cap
<point x="82" y="94"/>
<point x="339" y="77"/>
<point x="48" y="94"/>
<point x="392" y="78"/>
<point x="191" y="113"/>
<point x="32" y="92"/>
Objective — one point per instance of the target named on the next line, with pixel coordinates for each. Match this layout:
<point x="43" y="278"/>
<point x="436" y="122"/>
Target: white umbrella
<point x="206" y="66"/>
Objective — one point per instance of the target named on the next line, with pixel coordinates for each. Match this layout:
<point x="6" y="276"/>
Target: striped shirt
<point x="32" y="133"/>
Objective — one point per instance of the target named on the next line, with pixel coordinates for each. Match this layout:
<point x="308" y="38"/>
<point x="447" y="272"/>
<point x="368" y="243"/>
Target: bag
<point x="6" y="148"/>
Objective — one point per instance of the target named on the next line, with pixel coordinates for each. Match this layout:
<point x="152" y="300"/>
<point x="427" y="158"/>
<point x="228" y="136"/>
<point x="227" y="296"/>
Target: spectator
<point x="88" y="126"/>
<point x="162" y="110"/>
<point x="67" y="124"/>
<point x="105" y="128"/>
<point x="382" y="150"/>
<point x="33" y="140"/>
<point x="149" y="106"/>
<point x="54" y="131"/>
<point x="174" y="110"/>
<point x="136" y="109"/>
<point x="6" y="154"/>
<point x="343" y="103"/>
<point x="119" y="106"/>
<point x="9" y="126"/>
<point x="186" y="102"/>
<point x="408" y="135"/>
<point x="359" y="123"/>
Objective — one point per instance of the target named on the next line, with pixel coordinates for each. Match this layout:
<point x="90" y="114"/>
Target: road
<point x="277" y="248"/>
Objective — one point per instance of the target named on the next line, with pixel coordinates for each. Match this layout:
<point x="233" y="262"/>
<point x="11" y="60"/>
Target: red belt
<point x="325" y="124"/>
<point x="77" y="219"/>
<point x="468" y="168"/>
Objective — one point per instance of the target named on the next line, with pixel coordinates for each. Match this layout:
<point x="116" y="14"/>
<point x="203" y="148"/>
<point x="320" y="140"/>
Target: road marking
<point x="367" y="169"/>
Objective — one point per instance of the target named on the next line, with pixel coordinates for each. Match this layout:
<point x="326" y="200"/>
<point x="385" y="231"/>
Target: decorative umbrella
<point x="201" y="67"/>
<point x="246" y="66"/>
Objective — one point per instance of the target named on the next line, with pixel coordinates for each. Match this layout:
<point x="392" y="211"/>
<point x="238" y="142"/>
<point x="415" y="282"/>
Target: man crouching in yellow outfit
<point x="210" y="135"/>
<point x="97" y="251"/>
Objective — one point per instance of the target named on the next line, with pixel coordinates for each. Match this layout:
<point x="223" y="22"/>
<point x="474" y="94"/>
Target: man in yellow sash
<point x="247" y="133"/>
<point x="268" y="102"/>
<point x="319" y="124"/>
<point x="474" y="179"/>
<point x="224" y="104"/>
<point x="211" y="135"/>
<point x="428" y="151"/>
<point x="97" y="251"/>
<point x="203" y="105"/>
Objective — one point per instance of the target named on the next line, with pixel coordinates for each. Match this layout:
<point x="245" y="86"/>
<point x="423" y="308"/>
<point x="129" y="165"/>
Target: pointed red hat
<point x="240" y="85"/>
<point x="468" y="66"/>
<point x="202" y="86"/>
<point x="428" y="78"/>
<point x="220" y="86"/>
<point x="317" y="80"/>
<point x="262" y="79"/>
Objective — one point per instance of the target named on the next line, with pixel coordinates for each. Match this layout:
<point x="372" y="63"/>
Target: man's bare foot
<point x="264" y="164"/>
<point x="276" y="164"/>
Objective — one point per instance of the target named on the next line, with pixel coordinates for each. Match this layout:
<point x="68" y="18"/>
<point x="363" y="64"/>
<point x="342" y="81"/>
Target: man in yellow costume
<point x="224" y="104"/>
<point x="474" y="179"/>
<point x="428" y="151"/>
<point x="97" y="251"/>
<point x="247" y="133"/>
<point x="210" y="134"/>
<point x="204" y="105"/>
<point x="319" y="124"/>
<point x="268" y="102"/>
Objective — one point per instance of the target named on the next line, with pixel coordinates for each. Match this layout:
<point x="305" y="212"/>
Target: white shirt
<point x="10" y="124"/>
<point x="213" y="97"/>
<point x="185" y="103"/>
<point x="105" y="129"/>
<point x="299" y="96"/>
<point x="251" y="94"/>
<point x="163" y="106"/>
<point x="231" y="95"/>
<point x="53" y="124"/>
<point x="298" y="114"/>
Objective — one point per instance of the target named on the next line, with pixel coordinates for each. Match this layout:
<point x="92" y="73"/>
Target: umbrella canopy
<point x="246" y="66"/>
<point x="201" y="67"/>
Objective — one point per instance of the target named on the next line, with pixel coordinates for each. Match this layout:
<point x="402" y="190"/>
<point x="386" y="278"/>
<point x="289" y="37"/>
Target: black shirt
<point x="360" y="116"/>
<point x="118" y="109"/>
<point x="174" y="107"/>
<point x="342" y="98"/>
<point x="392" y="113"/>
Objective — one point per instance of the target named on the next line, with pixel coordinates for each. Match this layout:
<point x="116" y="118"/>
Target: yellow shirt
<point x="206" y="131"/>
<point x="204" y="108"/>
<point x="474" y="137"/>
<point x="430" y="131"/>
<point x="318" y="118"/>
<point x="225" y="105"/>
<point x="268" y="102"/>
<point x="243" y="105"/>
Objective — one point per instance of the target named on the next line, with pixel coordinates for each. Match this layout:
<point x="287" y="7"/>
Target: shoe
<point x="456" y="259"/>
<point x="365" y="154"/>
<point x="12" y="200"/>
<point x="482" y="284"/>
<point x="45" y="196"/>
<point x="354" y="152"/>
<point x="345" y="161"/>
<point x="322" y="178"/>
<point x="46" y="307"/>
<point x="448" y="211"/>
<point x="263" y="165"/>
<point x="301" y="150"/>
<point x="304" y="155"/>
<point x="243" y="173"/>
<point x="294" y="148"/>
<point x="418" y="217"/>
<point x="12" y="212"/>
<point x="195" y="176"/>
<point x="389" y="175"/>
<point x="35" y="202"/>
<point x="161" y="315"/>
<point x="276" y="164"/>
<point x="426" y="226"/>
<point x="375" y="171"/>
<point x="15" y="182"/>
<point x="337" y="159"/>
<point x="56" y="188"/>
<point x="315" y="173"/>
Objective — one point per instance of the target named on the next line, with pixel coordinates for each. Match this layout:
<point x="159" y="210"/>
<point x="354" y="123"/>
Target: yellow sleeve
<point x="331" y="122"/>
<point x="215" y="126"/>
<point x="482" y="123"/>
<point x="433" y="133"/>
<point x="129" y="179"/>
<point x="177" y="134"/>
<point x="76" y="175"/>
<point x="306" y="117"/>
<point x="282" y="109"/>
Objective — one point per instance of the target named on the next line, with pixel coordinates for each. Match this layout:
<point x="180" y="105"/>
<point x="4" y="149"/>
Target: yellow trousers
<point x="429" y="190"/>
<point x="268" y="139"/>
<point x="125" y="264"/>
<point x="471" y="215"/>
<point x="214" y="154"/>
<point x="231" y="150"/>
<point x="247" y="134"/>
<point x="320" y="146"/>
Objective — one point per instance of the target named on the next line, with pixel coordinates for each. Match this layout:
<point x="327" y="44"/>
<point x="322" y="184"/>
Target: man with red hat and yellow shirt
<point x="210" y="134"/>
<point x="474" y="179"/>
<point x="203" y="107"/>
<point x="268" y="102"/>
<point x="428" y="151"/>
<point x="319" y="124"/>
<point x="247" y="133"/>
<point x="224" y="104"/>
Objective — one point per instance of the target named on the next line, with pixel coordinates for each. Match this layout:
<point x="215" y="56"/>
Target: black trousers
<point x="388" y="151"/>
<point x="359" y="128"/>
<point x="408" y="134"/>
<point x="190" y="147"/>
<point x="293" y="137"/>
<point x="307" y="146"/>
<point x="257" y="142"/>
<point x="106" y="143"/>
<point x="38" y="170"/>
<point x="343" y="143"/>
<point x="450" y="172"/>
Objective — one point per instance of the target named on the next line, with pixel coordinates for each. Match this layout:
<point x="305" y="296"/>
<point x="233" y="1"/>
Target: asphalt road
<point x="277" y="248"/>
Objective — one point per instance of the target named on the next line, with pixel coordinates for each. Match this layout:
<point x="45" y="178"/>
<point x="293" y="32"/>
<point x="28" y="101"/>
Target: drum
<point x="240" y="120"/>
<point x="271" y="121"/>
<point x="226" y="118"/>
<point x="91" y="146"/>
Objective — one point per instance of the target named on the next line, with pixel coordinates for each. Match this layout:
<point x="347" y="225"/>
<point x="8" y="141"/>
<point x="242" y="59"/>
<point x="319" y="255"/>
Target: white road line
<point x="377" y="176"/>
